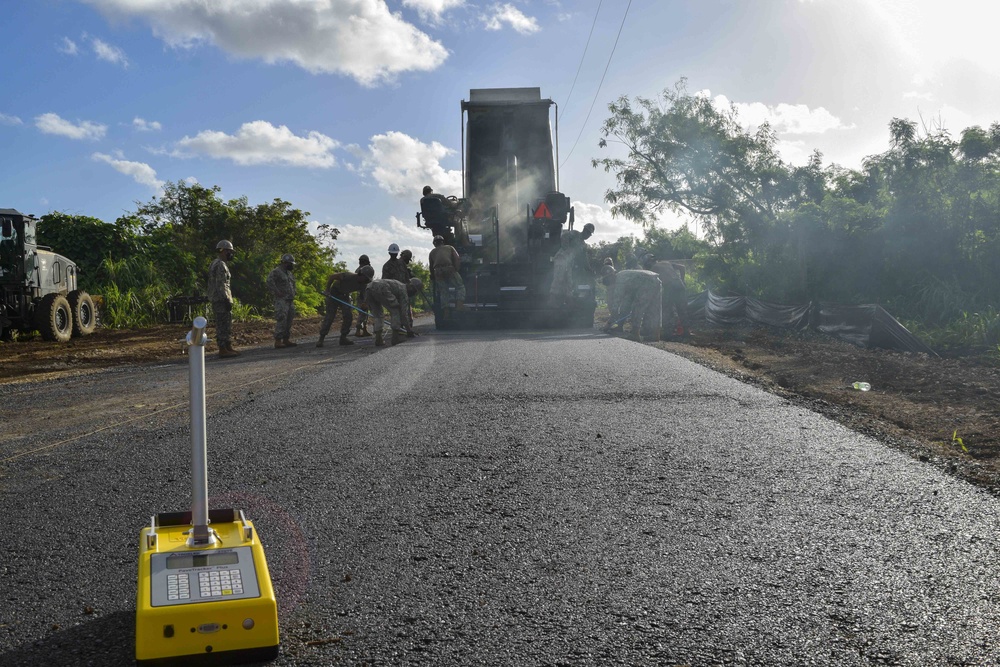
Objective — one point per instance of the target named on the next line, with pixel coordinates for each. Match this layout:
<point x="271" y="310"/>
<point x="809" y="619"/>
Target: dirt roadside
<point x="941" y="411"/>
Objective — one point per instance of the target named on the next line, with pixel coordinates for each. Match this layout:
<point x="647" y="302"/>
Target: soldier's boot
<point x="365" y="331"/>
<point x="396" y="338"/>
<point x="289" y="343"/>
<point x="233" y="351"/>
<point x="226" y="352"/>
<point x="319" y="343"/>
<point x="344" y="340"/>
<point x="411" y="333"/>
<point x="357" y="333"/>
<point x="378" y="339"/>
<point x="278" y="343"/>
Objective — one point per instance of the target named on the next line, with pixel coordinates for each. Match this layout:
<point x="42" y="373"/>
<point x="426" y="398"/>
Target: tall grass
<point x="134" y="293"/>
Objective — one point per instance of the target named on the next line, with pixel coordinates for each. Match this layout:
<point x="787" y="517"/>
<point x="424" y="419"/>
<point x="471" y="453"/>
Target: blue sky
<point x="346" y="108"/>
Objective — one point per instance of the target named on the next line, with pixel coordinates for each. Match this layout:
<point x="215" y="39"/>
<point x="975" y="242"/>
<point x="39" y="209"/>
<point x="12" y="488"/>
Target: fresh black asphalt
<point x="537" y="498"/>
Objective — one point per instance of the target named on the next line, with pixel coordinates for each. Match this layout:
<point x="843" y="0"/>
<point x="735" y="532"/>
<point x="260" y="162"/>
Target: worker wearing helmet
<point x="339" y="288"/>
<point x="568" y="261"/>
<point x="445" y="263"/>
<point x="394" y="268"/>
<point x="452" y="208"/>
<point x="394" y="296"/>
<point x="281" y="283"/>
<point x="363" y="261"/>
<point x="221" y="297"/>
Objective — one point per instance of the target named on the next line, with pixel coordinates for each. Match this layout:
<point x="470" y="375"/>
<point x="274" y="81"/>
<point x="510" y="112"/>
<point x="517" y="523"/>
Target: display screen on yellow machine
<point x="178" y="561"/>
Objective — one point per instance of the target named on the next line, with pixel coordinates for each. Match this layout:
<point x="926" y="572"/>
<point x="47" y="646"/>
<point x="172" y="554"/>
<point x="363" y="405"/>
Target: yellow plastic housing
<point x="220" y="631"/>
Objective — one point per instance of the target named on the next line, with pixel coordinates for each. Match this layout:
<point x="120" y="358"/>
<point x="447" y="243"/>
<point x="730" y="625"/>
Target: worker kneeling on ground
<point x="395" y="297"/>
<point x="339" y="288"/>
<point x="636" y="296"/>
<point x="444" y="264"/>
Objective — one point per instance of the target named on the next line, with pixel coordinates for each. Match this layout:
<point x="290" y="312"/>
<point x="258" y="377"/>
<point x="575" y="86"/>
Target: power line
<point x="584" y="126"/>
<point x="584" y="55"/>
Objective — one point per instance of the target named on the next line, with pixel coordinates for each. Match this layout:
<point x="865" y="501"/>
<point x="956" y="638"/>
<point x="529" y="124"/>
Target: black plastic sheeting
<point x="868" y="325"/>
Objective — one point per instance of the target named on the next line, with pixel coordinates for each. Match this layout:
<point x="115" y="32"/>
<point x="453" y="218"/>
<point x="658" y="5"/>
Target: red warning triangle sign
<point x="543" y="211"/>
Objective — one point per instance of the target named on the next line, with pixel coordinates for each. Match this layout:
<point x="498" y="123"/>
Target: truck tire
<point x="84" y="313"/>
<point x="54" y="318"/>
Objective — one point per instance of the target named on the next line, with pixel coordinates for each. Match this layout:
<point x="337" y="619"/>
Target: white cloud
<point x="68" y="47"/>
<point x="140" y="172"/>
<point x="374" y="240"/>
<point x="109" y="53"/>
<point x="359" y="38"/>
<point x="432" y="10"/>
<point x="143" y="125"/>
<point x="783" y="118"/>
<point x="51" y="123"/>
<point x="402" y="166"/>
<point x="260" y="142"/>
<point x="9" y="120"/>
<point x="510" y="15"/>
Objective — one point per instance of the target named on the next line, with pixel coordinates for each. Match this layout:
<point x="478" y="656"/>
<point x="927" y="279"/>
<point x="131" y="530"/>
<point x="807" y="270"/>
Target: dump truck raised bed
<point x="37" y="286"/>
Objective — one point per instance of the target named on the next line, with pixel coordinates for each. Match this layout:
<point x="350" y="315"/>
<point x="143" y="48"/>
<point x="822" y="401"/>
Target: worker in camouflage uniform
<point x="339" y="288"/>
<point x="571" y="257"/>
<point x="674" y="295"/>
<point x="221" y="298"/>
<point x="395" y="297"/>
<point x="637" y="296"/>
<point x="281" y="282"/>
<point x="445" y="263"/>
<point x="406" y="257"/>
<point x="363" y="261"/>
<point x="394" y="268"/>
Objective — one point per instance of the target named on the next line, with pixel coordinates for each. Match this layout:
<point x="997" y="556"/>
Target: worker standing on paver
<point x="395" y="297"/>
<point x="221" y="298"/>
<point x="281" y="282"/>
<point x="445" y="263"/>
<point x="339" y="288"/>
<point x="571" y="258"/>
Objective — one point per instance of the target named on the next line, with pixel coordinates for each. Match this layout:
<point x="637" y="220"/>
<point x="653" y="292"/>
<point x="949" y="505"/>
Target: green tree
<point x="190" y="219"/>
<point x="686" y="155"/>
<point x="89" y="241"/>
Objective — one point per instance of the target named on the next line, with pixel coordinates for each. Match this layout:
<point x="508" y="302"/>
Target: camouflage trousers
<point x="346" y="314"/>
<point x="223" y="313"/>
<point x="363" y="310"/>
<point x="445" y="278"/>
<point x="395" y="314"/>
<point x="284" y="313"/>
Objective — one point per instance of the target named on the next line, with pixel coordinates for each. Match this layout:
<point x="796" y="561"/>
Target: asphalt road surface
<point x="537" y="498"/>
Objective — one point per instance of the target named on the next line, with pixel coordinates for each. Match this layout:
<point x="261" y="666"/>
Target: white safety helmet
<point x="393" y="249"/>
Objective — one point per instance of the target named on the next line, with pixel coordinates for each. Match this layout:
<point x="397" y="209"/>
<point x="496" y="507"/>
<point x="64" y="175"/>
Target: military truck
<point x="38" y="287"/>
<point x="509" y="222"/>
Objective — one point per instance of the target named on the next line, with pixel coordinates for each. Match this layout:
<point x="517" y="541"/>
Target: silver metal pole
<point x="196" y="340"/>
